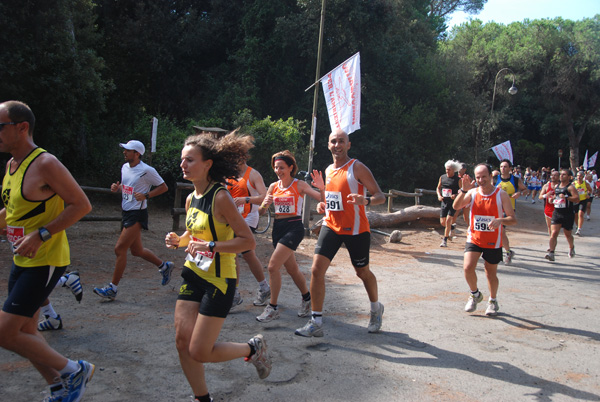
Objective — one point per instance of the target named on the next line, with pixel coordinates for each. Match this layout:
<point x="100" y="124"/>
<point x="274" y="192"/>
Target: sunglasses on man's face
<point x="12" y="123"/>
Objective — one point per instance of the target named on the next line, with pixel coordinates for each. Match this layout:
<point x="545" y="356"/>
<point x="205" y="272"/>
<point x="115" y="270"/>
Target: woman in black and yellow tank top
<point x="209" y="274"/>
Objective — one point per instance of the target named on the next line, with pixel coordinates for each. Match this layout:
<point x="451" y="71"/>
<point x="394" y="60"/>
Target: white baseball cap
<point x="134" y="145"/>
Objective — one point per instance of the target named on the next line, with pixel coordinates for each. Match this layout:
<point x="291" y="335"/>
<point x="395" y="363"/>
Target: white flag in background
<point x="592" y="160"/>
<point x="342" y="94"/>
<point x="503" y="151"/>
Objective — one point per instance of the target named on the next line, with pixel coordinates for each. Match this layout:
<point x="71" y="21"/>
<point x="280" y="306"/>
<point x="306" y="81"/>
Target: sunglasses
<point x="12" y="123"/>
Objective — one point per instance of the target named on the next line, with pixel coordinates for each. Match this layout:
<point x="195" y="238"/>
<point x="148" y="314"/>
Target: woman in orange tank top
<point x="286" y="195"/>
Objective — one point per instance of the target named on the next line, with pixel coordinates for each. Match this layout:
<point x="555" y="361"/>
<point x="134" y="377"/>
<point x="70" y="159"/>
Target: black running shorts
<point x="288" y="231"/>
<point x="29" y="287"/>
<point x="213" y="303"/>
<point x="357" y="245"/>
<point x="566" y="219"/>
<point x="130" y="218"/>
<point x="446" y="208"/>
<point x="490" y="255"/>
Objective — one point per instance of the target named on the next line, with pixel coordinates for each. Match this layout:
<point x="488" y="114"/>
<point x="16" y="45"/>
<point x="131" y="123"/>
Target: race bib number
<point x="203" y="259"/>
<point x="14" y="233"/>
<point x="581" y="191"/>
<point x="127" y="192"/>
<point x="447" y="192"/>
<point x="284" y="205"/>
<point x="241" y="209"/>
<point x="333" y="201"/>
<point x="482" y="223"/>
<point x="560" y="202"/>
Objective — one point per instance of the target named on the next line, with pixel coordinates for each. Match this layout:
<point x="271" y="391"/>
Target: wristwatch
<point x="44" y="234"/>
<point x="147" y="196"/>
<point x="247" y="200"/>
<point x="460" y="190"/>
<point x="211" y="246"/>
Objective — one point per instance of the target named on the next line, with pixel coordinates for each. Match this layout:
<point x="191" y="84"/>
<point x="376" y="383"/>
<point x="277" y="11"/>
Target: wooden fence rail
<point x="419" y="192"/>
<point x="99" y="190"/>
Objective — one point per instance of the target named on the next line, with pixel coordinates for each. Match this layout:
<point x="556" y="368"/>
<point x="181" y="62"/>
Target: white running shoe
<point x="262" y="298"/>
<point x="269" y="314"/>
<point x="472" y="302"/>
<point x="310" y="329"/>
<point x="492" y="308"/>
<point x="260" y="359"/>
<point x="304" y="310"/>
<point x="376" y="320"/>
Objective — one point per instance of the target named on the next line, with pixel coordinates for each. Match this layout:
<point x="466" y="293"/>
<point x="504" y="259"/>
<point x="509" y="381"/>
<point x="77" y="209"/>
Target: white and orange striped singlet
<point x="341" y="217"/>
<point x="485" y="208"/>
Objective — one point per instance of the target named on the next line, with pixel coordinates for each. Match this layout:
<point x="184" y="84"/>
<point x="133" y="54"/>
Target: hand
<point x="516" y="195"/>
<point x="172" y="240"/>
<point x="440" y="198"/>
<point x="239" y="201"/>
<point x="317" y="178"/>
<point x="356" y="199"/>
<point x="495" y="224"/>
<point x="197" y="247"/>
<point x="467" y="183"/>
<point x="267" y="201"/>
<point x="139" y="196"/>
<point x="321" y="207"/>
<point x="29" y="245"/>
<point x="115" y="187"/>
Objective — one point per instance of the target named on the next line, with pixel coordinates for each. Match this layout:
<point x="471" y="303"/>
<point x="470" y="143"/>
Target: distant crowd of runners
<point x="41" y="199"/>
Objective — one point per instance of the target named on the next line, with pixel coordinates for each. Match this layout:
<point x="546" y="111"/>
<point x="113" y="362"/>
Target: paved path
<point x="543" y="346"/>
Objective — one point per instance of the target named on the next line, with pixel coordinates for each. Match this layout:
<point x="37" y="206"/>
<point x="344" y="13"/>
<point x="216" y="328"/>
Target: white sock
<point x="374" y="306"/>
<point x="264" y="286"/>
<point x="161" y="266"/>
<point x="61" y="281"/>
<point x="71" y="367"/>
<point x="113" y="286"/>
<point x="492" y="300"/>
<point x="49" y="311"/>
<point x="317" y="317"/>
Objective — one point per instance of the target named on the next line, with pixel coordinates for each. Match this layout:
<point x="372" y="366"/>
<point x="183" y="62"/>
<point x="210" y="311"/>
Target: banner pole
<point x="306" y="207"/>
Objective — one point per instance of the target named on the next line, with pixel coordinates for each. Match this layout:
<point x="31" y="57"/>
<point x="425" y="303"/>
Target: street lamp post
<point x="512" y="90"/>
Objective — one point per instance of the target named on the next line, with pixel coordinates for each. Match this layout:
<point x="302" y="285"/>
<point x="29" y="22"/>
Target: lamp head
<point x="512" y="90"/>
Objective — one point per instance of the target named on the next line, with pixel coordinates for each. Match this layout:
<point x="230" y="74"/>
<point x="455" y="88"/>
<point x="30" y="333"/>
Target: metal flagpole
<point x="313" y="129"/>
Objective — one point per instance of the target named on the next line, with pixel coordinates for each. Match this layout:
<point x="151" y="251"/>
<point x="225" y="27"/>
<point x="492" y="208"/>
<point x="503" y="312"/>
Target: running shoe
<point x="57" y="395"/>
<point x="106" y="292"/>
<point x="310" y="329"/>
<point x="262" y="298"/>
<point x="166" y="273"/>
<point x="260" y="358"/>
<point x="587" y="217"/>
<point x="74" y="285"/>
<point x="572" y="252"/>
<point x="76" y="382"/>
<point x="376" y="320"/>
<point x="492" y="308"/>
<point x="533" y="201"/>
<point x="550" y="256"/>
<point x="50" y="324"/>
<point x="444" y="243"/>
<point x="578" y="232"/>
<point x="509" y="256"/>
<point x="472" y="302"/>
<point x="269" y="314"/>
<point x="304" y="310"/>
<point x="237" y="299"/>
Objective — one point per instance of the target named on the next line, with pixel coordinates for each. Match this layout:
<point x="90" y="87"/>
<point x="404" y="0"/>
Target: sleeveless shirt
<point x="341" y="217"/>
<point x="485" y="208"/>
<point x="24" y="216"/>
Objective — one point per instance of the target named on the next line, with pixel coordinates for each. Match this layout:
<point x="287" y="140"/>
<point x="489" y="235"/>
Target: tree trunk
<point x="377" y="220"/>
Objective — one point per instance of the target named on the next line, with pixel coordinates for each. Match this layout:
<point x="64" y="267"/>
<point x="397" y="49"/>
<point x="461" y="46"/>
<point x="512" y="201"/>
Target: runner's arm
<point x="364" y="175"/>
<point x="510" y="218"/>
<point x="256" y="180"/>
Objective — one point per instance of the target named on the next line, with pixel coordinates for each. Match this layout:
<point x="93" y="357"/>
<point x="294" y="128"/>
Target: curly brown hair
<point x="226" y="153"/>
<point x="288" y="158"/>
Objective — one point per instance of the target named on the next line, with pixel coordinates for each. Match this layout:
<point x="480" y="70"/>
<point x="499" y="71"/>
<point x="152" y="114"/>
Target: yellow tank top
<point x="24" y="216"/>
<point x="201" y="225"/>
<point x="581" y="190"/>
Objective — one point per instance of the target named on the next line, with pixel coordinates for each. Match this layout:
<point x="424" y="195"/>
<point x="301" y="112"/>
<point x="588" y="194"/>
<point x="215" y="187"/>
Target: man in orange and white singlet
<point x="491" y="210"/>
<point x="346" y="185"/>
<point x="248" y="192"/>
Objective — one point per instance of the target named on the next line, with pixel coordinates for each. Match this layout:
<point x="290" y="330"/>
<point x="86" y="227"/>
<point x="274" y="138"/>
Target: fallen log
<point x="409" y="214"/>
